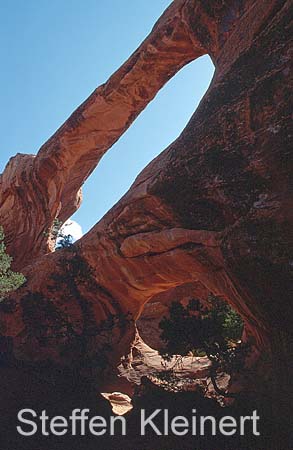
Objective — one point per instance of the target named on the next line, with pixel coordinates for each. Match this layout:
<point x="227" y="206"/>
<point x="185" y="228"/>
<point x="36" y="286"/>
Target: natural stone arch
<point x="213" y="207"/>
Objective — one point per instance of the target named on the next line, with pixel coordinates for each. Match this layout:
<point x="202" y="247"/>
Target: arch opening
<point x="155" y="128"/>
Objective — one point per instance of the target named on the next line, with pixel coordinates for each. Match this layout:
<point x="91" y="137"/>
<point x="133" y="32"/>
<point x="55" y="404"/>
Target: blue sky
<point x="55" y="53"/>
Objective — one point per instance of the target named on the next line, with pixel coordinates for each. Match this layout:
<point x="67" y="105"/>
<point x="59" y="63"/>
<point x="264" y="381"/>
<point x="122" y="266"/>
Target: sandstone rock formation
<point x="215" y="207"/>
<point x="158" y="307"/>
<point x="121" y="403"/>
<point x="36" y="190"/>
<point x="144" y="361"/>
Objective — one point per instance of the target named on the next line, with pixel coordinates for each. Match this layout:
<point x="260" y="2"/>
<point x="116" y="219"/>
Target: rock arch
<point x="214" y="207"/>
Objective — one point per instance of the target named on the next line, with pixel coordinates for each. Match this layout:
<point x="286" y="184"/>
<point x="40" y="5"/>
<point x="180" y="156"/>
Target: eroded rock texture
<point x="214" y="208"/>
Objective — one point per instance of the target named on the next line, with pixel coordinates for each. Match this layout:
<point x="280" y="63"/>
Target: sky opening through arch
<point x="54" y="54"/>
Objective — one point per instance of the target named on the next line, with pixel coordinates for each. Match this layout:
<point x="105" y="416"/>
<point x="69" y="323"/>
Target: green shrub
<point x="214" y="331"/>
<point x="9" y="280"/>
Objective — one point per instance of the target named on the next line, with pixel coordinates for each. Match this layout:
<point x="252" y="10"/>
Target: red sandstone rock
<point x="144" y="361"/>
<point x="215" y="207"/>
<point x="36" y="190"/>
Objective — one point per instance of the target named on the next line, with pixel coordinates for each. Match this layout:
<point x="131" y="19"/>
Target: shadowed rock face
<point x="158" y="307"/>
<point x="214" y="208"/>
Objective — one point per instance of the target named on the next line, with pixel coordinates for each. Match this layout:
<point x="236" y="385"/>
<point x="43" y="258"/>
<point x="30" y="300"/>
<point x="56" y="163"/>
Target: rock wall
<point x="215" y="207"/>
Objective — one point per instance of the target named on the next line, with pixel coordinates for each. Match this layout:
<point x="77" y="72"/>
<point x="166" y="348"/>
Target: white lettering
<point x="62" y="423"/>
<point x="148" y="421"/>
<point x="114" y="419"/>
<point x="202" y="422"/>
<point x="227" y="422"/>
<point x="27" y="421"/>
<point x="176" y="422"/>
<point x="254" y="418"/>
<point x="98" y="422"/>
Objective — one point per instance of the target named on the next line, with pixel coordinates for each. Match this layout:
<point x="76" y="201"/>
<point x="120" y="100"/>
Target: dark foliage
<point x="214" y="331"/>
